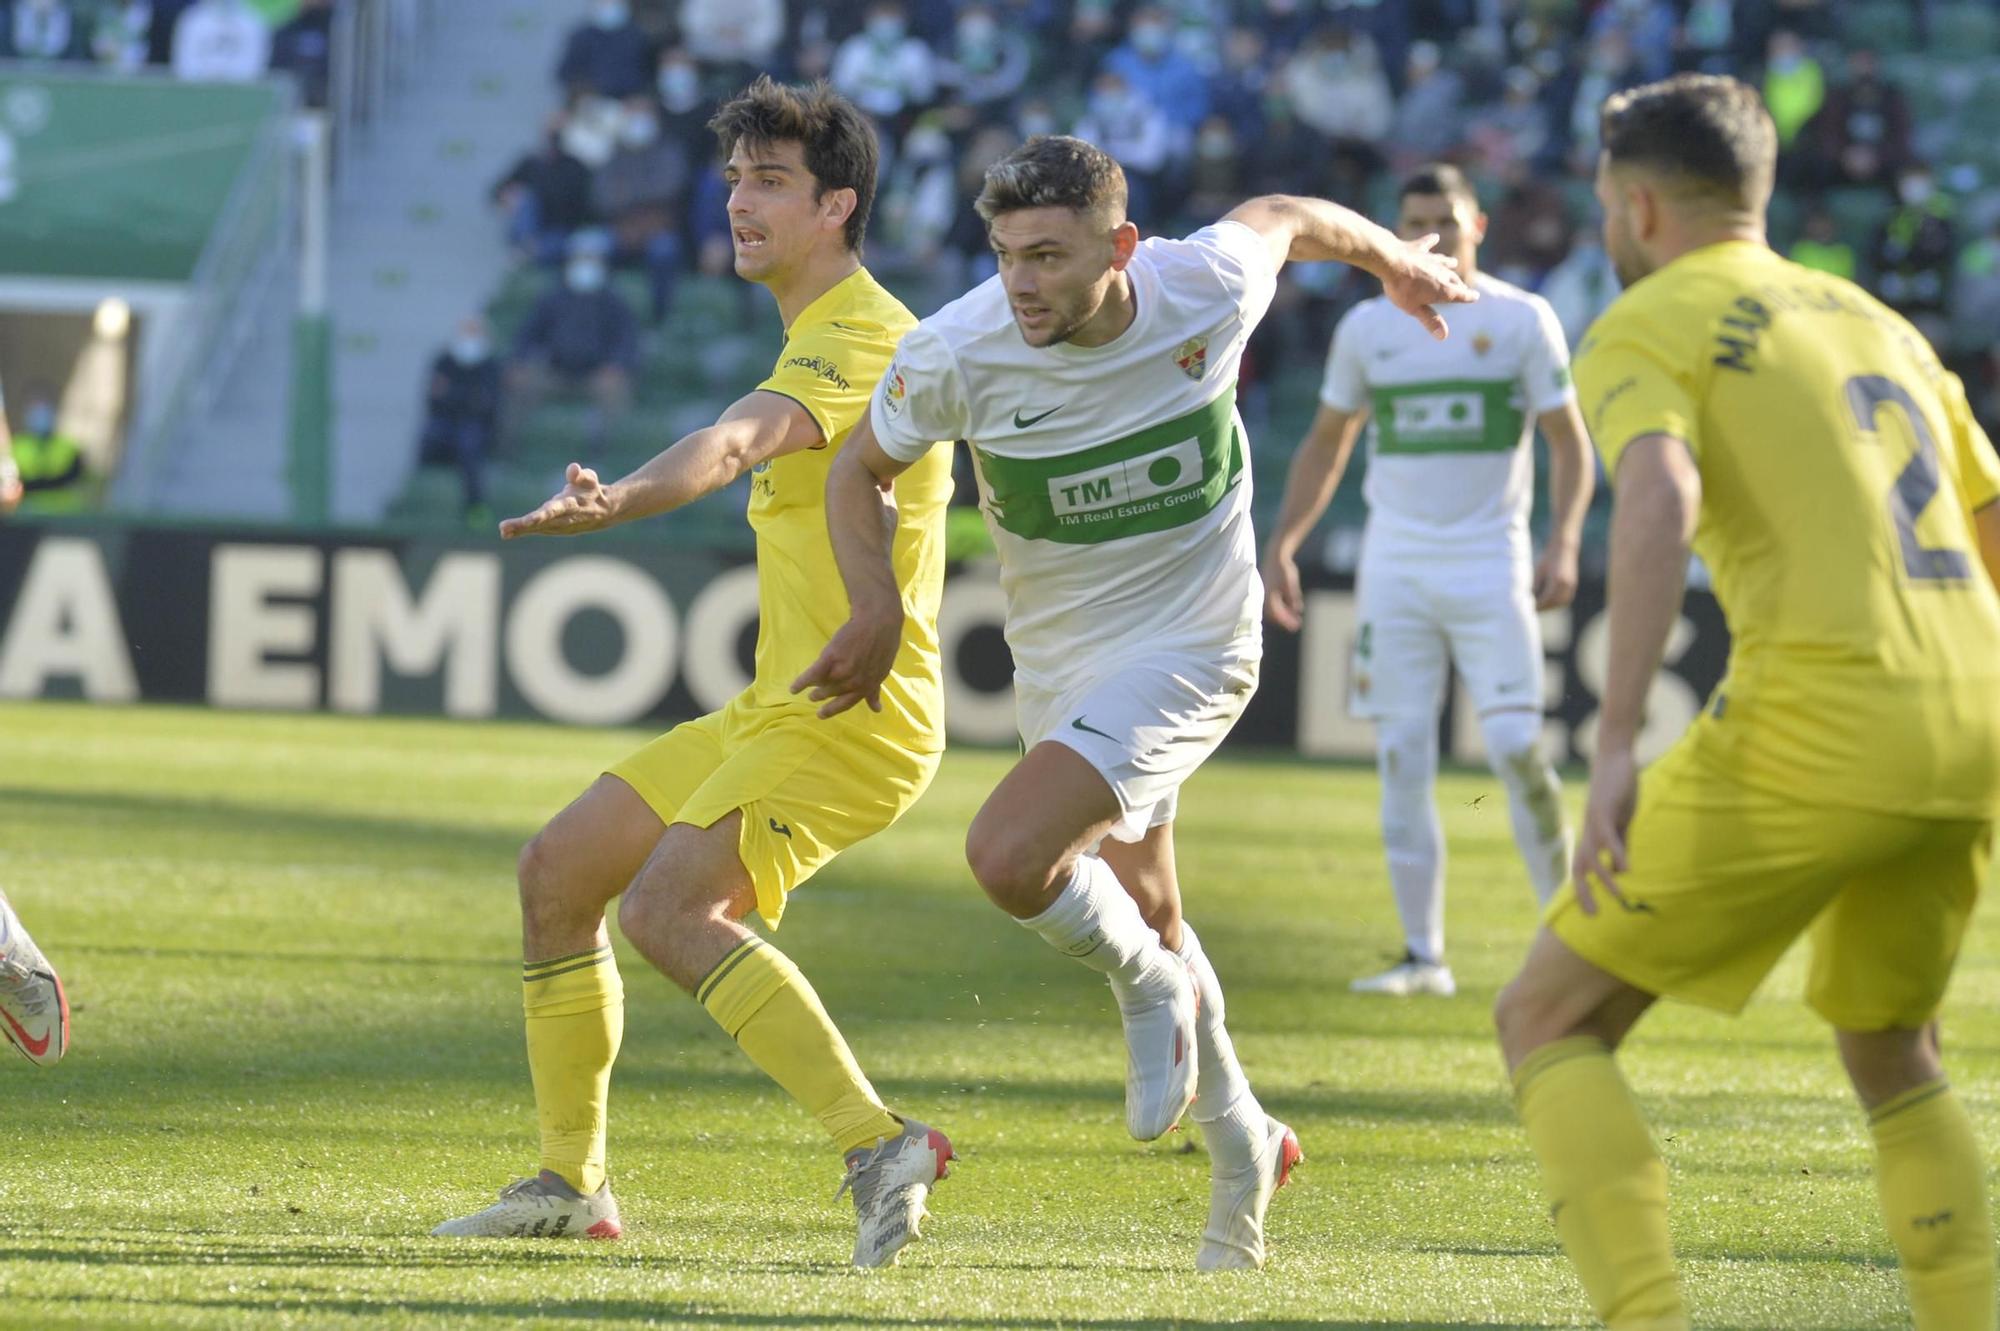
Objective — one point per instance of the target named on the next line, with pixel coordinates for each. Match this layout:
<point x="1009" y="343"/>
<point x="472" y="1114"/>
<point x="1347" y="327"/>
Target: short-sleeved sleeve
<point x="1345" y="386"/>
<point x="1977" y="469"/>
<point x="1545" y="375"/>
<point x="827" y="371"/>
<point x="921" y="399"/>
<point x="1628" y="392"/>
<point x="1241" y="259"/>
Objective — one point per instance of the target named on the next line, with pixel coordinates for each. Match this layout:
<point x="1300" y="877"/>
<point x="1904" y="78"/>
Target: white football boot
<point x="1234" y="1238"/>
<point x="542" y="1207"/>
<point x="890" y="1181"/>
<point x="1161" y="1065"/>
<point x="1411" y="975"/>
<point x="34" y="1011"/>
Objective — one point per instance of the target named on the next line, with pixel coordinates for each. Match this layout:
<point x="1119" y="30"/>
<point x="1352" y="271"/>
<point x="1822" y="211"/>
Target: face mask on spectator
<point x="41" y="419"/>
<point x="927" y="146"/>
<point x="680" y="86"/>
<point x="585" y="274"/>
<point x="978" y="33"/>
<point x="1214" y="144"/>
<point x="1150" y="38"/>
<point x="1037" y="122"/>
<point x="611" y="14"/>
<point x="886" y="29"/>
<point x="639" y="131"/>
<point x="468" y="350"/>
<point x="1787" y="63"/>
<point x="1916" y="190"/>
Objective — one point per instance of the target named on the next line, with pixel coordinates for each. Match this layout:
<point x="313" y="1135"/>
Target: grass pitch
<point x="291" y="944"/>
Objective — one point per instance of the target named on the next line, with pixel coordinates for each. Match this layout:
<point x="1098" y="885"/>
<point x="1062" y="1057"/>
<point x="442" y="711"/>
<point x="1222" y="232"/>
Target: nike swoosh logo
<point x="1079" y="724"/>
<point x="1022" y="423"/>
<point x="35" y="1048"/>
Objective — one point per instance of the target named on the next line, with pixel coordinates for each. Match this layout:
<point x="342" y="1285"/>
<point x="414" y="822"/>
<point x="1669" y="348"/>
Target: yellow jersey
<point x="834" y="355"/>
<point x="1840" y="466"/>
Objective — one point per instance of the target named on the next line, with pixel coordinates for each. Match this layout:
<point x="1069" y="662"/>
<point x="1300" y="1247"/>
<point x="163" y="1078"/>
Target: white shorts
<point x="1145" y="725"/>
<point x="1419" y="617"/>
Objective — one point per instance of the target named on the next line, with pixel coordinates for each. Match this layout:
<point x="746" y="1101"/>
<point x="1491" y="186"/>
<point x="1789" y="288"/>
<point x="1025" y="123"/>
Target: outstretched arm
<point x="1315" y="474"/>
<point x="1311" y="230"/>
<point x="1571" y="480"/>
<point x="756" y="428"/>
<point x="861" y="522"/>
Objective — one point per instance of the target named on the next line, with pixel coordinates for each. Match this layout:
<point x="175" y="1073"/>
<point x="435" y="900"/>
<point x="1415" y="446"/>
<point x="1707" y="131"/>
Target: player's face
<point x="774" y="220"/>
<point x="1621" y="239"/>
<point x="1057" y="266"/>
<point x="1458" y="225"/>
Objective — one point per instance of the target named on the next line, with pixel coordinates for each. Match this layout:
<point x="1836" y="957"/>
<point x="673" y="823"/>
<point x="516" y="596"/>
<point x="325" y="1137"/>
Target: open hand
<point x="583" y="504"/>
<point x="1422" y="279"/>
<point x="1607" y="813"/>
<point x="1284" y="600"/>
<point x="854" y="664"/>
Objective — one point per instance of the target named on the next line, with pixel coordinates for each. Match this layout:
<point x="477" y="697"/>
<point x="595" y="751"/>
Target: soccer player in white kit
<point x="1446" y="574"/>
<point x="1095" y="378"/>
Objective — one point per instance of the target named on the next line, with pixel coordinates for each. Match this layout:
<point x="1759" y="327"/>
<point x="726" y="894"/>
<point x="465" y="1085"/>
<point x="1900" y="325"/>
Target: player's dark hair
<point x="1706" y="134"/>
<point x="833" y="135"/>
<point x="1440" y="178"/>
<point x="1055" y="171"/>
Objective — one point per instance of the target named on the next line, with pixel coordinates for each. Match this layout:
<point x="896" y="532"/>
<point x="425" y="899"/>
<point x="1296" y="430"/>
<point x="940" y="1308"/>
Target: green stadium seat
<point x="1965" y="31"/>
<point x="1882" y="25"/>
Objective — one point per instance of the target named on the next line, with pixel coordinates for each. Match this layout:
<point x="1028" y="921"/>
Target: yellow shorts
<point x="808" y="789"/>
<point x="1723" y="877"/>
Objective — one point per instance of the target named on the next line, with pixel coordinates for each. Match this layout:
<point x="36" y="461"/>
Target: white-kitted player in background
<point x="1447" y="575"/>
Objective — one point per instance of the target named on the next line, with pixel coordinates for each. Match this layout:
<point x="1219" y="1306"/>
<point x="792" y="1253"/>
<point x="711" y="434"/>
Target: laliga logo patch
<point x="893" y="393"/>
<point x="1192" y="357"/>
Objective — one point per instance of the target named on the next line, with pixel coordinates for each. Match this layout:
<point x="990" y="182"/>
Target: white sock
<point x="1534" y="797"/>
<point x="1406" y="755"/>
<point x="1094" y="921"/>
<point x="1232" y="1122"/>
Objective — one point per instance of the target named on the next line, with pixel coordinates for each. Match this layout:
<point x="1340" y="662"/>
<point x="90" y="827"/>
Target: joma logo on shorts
<point x="1175" y="467"/>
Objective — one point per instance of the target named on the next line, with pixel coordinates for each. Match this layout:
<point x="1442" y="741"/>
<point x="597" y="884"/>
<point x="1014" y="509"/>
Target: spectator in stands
<point x="989" y="63"/>
<point x="606" y="55"/>
<point x="1649" y="28"/>
<point x="1217" y="179"/>
<point x="1582" y="286"/>
<point x="462" y="411"/>
<point x="580" y="337"/>
<point x="919" y="198"/>
<point x="1428" y="122"/>
<point x="544" y="199"/>
<point x="1914" y="250"/>
<point x="639" y="192"/>
<point x="221" y="41"/>
<point x="123" y="38"/>
<point x="1708" y="37"/>
<point x="304" y="47"/>
<point x="1149" y="65"/>
<point x="1337" y="87"/>
<point x="1861" y="135"/>
<point x="1093" y="34"/>
<point x="885" y="70"/>
<point x="1821" y="247"/>
<point x="1531" y="227"/>
<point x="1794" y="87"/>
<point x="740" y="37"/>
<point x="1610" y="67"/>
<point x="684" y="107"/>
<point x="50" y="462"/>
<point x="44" y="30"/>
<point x="1238" y="88"/>
<point x="1517" y="130"/>
<point x="1125" y="123"/>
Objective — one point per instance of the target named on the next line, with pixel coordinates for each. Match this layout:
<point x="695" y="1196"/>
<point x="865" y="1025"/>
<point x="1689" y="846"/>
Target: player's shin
<point x="1232" y="1122"/>
<point x="1605" y="1181"/>
<point x="1534" y="796"/>
<point x="1093" y="920"/>
<point x="1931" y="1176"/>
<point x="1412" y="837"/>
<point x="762" y="1001"/>
<point x="575" y="1017"/>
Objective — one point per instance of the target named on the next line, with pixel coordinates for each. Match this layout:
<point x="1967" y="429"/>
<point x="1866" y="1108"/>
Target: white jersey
<point x="1115" y="479"/>
<point x="1449" y="462"/>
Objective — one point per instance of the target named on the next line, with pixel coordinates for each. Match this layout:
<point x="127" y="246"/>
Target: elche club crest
<point x="1192" y="357"/>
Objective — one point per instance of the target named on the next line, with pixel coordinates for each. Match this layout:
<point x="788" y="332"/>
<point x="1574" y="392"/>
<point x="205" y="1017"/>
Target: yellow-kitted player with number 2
<point x="1844" y="778"/>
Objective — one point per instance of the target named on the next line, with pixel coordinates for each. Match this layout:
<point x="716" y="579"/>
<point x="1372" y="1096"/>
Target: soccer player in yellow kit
<point x="729" y="813"/>
<point x="1843" y="780"/>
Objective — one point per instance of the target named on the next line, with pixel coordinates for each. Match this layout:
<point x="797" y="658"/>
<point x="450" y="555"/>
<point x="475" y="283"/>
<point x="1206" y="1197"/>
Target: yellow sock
<point x="1606" y="1184"/>
<point x="575" y="1009"/>
<point x="758" y="996"/>
<point x="1932" y="1180"/>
